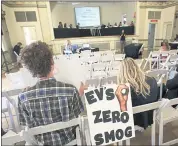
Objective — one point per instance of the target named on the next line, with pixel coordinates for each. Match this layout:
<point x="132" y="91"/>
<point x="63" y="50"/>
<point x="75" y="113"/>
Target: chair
<point x="106" y="58"/>
<point x="10" y="100"/>
<point x="28" y="134"/>
<point x="119" y="57"/>
<point x="108" y="80"/>
<point x="164" y="118"/>
<point x="7" y="109"/>
<point x="11" y="138"/>
<point x="16" y="80"/>
<point x="152" y="60"/>
<point x="159" y="75"/>
<point x="157" y="107"/>
<point x="93" y="82"/>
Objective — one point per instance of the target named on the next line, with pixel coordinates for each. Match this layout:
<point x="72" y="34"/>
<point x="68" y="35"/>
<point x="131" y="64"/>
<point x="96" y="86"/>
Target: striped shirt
<point x="47" y="102"/>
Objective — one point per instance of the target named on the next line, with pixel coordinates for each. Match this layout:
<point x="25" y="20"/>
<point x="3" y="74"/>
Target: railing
<point x="109" y="44"/>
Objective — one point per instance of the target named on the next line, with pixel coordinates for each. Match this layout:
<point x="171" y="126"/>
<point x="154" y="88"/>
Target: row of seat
<point x="161" y="116"/>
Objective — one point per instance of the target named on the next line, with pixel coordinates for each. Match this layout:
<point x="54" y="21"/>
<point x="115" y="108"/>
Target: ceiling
<point x="143" y="4"/>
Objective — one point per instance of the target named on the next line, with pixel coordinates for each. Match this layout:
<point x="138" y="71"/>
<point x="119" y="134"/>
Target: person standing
<point x="122" y="41"/>
<point x="17" y="48"/>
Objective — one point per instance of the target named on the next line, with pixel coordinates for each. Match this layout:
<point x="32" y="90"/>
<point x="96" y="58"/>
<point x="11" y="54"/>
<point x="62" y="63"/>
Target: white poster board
<point x="69" y="71"/>
<point x="109" y="121"/>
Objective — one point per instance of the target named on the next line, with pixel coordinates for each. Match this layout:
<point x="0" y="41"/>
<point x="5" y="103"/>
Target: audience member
<point x="68" y="46"/>
<point x="132" y="24"/>
<point x="17" y="48"/>
<point x="49" y="101"/>
<point x="122" y="41"/>
<point x="60" y="25"/>
<point x="165" y="46"/>
<point x="143" y="89"/>
<point x="120" y="24"/>
<point x="172" y="86"/>
<point x="109" y="25"/>
<point x="65" y="25"/>
<point x="70" y="26"/>
<point x="115" y="25"/>
<point x="176" y="39"/>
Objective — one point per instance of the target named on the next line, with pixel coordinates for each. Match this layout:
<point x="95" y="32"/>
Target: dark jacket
<point x="172" y="86"/>
<point x="132" y="50"/>
<point x="17" y="49"/>
<point x="145" y="119"/>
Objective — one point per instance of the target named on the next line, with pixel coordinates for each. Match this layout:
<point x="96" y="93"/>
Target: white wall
<point x="16" y="28"/>
<point x="167" y="16"/>
<point x="109" y="12"/>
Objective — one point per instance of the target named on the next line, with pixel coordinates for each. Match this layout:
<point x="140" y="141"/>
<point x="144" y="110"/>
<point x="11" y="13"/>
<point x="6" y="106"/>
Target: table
<point x="173" y="45"/>
<point x="74" y="32"/>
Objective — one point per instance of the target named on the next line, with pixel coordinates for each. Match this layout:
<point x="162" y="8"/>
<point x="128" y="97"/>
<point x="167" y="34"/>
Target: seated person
<point x="120" y="24"/>
<point x="70" y="26"/>
<point x="143" y="89"/>
<point x="164" y="47"/>
<point x="172" y="86"/>
<point x="132" y="24"/>
<point x="65" y="25"/>
<point x="109" y="25"/>
<point x="49" y="101"/>
<point x="133" y="50"/>
<point x="115" y="25"/>
<point x="60" y="25"/>
<point x="68" y="47"/>
<point x="17" y="48"/>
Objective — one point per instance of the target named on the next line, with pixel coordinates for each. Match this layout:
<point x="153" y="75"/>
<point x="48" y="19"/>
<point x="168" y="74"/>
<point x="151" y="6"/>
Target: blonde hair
<point x="129" y="72"/>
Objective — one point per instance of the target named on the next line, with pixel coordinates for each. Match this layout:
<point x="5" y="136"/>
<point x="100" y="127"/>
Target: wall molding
<point x="24" y="4"/>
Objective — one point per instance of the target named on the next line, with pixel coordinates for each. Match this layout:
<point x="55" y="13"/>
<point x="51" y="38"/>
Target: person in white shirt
<point x="68" y="47"/>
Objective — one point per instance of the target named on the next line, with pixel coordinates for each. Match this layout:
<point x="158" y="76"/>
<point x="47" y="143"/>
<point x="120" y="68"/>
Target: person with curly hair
<point x="49" y="101"/>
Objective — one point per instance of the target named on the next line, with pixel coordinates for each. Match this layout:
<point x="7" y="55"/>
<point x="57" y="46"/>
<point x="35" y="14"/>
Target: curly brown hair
<point x="37" y="58"/>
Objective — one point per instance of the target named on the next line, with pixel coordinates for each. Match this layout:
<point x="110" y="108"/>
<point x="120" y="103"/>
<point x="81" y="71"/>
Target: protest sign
<point x="110" y="116"/>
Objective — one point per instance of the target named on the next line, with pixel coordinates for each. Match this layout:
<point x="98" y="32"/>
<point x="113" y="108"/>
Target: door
<point x="151" y="36"/>
<point x="167" y="30"/>
<point x="30" y="34"/>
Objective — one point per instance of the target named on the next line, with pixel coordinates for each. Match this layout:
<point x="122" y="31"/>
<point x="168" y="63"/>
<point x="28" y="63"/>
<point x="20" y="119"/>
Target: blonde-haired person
<point x="144" y="89"/>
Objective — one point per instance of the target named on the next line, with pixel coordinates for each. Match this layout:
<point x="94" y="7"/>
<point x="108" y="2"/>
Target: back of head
<point x="19" y="43"/>
<point x="37" y="58"/>
<point x="129" y="72"/>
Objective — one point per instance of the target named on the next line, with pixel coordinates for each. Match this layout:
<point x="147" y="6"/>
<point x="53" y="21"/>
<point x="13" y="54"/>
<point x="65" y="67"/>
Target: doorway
<point x="30" y="34"/>
<point x="151" y="36"/>
<point x="167" y="30"/>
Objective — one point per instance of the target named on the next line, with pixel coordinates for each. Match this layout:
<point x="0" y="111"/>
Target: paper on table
<point x="70" y="71"/>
